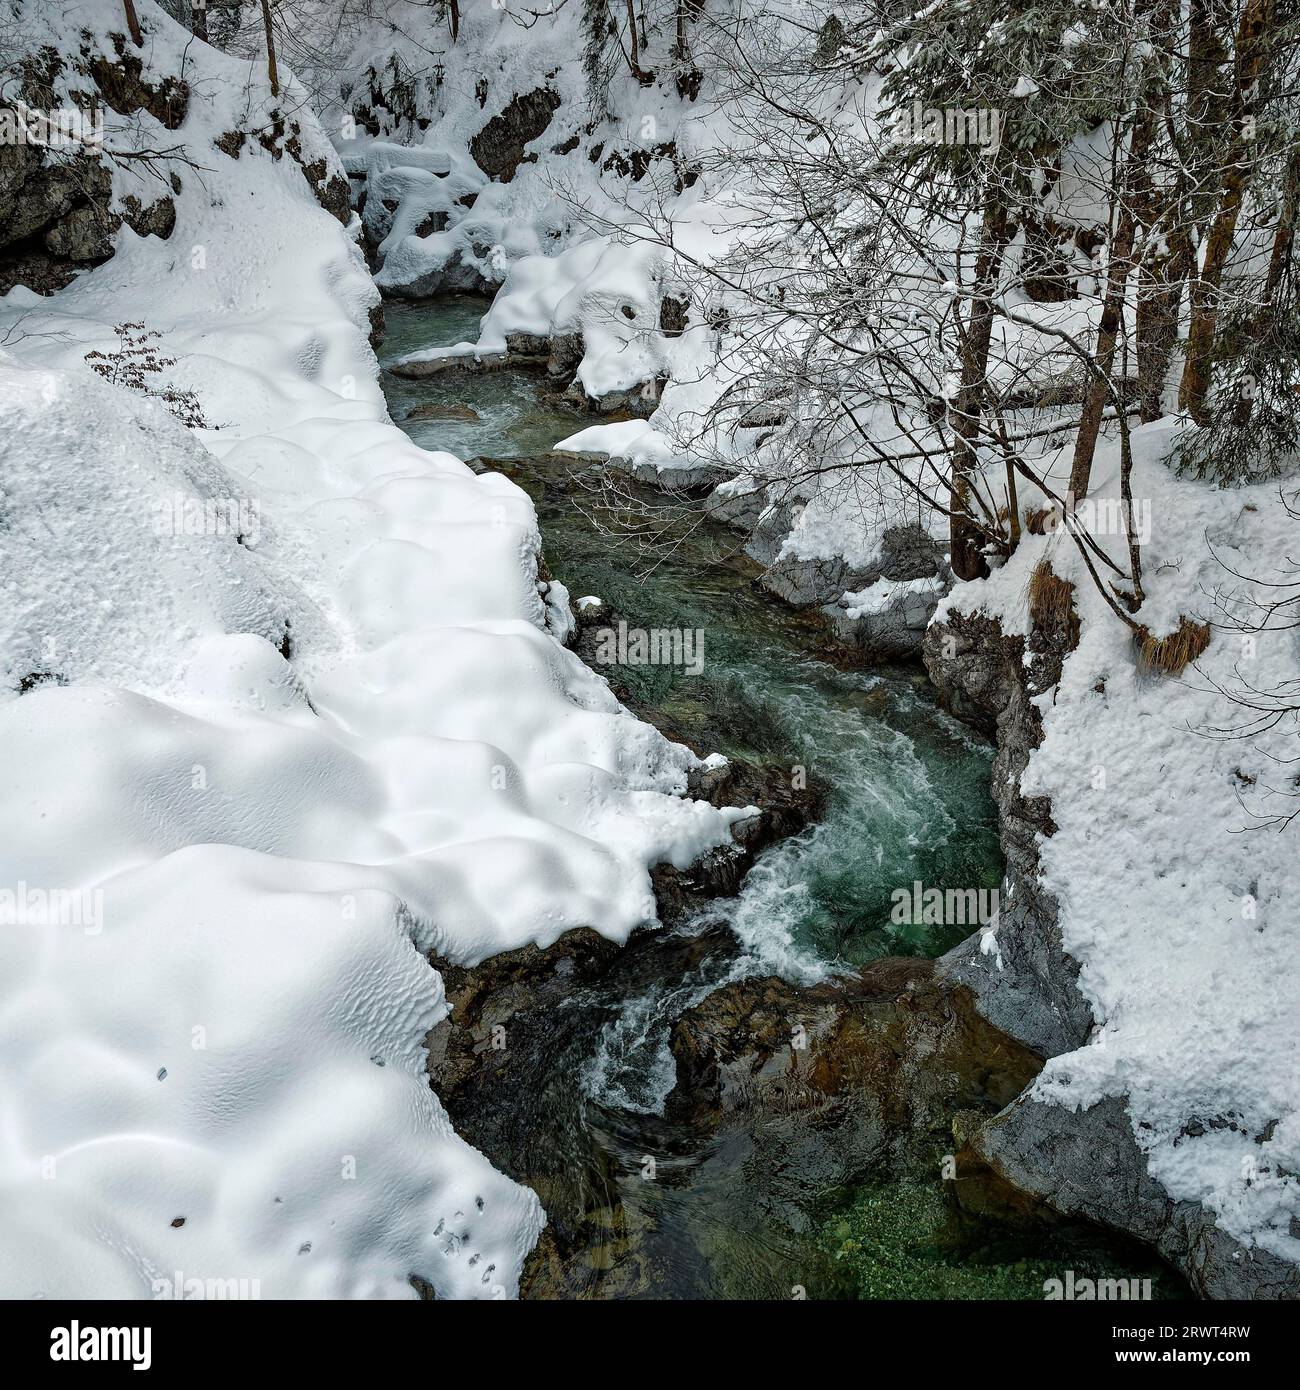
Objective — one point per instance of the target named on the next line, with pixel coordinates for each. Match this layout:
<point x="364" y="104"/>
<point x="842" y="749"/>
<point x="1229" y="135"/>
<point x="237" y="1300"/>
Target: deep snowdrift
<point x="215" y="1064"/>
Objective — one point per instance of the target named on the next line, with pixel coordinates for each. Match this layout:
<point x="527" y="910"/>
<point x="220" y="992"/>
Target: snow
<point x="231" y="1034"/>
<point x="885" y="594"/>
<point x="1176" y="898"/>
<point x="616" y="440"/>
<point x="603" y="290"/>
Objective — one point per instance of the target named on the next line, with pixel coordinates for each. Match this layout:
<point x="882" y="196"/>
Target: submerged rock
<point x="434" y="410"/>
<point x="889" y="1053"/>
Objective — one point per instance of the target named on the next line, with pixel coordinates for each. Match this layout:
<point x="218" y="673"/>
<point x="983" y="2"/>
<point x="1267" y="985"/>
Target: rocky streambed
<point x="770" y="1096"/>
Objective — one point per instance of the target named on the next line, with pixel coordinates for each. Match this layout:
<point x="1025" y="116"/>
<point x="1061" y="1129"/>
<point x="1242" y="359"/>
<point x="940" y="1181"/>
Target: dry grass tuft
<point x="1036" y="520"/>
<point x="1169" y="655"/>
<point x="1051" y="603"/>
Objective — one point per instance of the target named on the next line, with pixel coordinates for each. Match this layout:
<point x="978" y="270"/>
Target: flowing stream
<point x="907" y="800"/>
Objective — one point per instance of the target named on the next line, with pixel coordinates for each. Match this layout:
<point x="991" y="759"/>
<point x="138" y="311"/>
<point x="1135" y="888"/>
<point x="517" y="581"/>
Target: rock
<point x="896" y="629"/>
<point x="435" y="366"/>
<point x="432" y="410"/>
<point x="673" y="316"/>
<point x="37" y="270"/>
<point x="432" y="223"/>
<point x="33" y="195"/>
<point x="783" y="810"/>
<point x="492" y="995"/>
<point x="1087" y="1163"/>
<point x="498" y="149"/>
<point x="230" y="143"/>
<point x="800" y="583"/>
<point x="377" y="327"/>
<point x="121" y="84"/>
<point x="1028" y="987"/>
<point x="581" y="954"/>
<point x="635" y="162"/>
<point x="740" y="510"/>
<point x="909" y="552"/>
<point x="838" y="1077"/>
<point x="593" y="614"/>
<point x="636" y="402"/>
<point x="158" y="219"/>
<point x="528" y="348"/>
<point x="456" y="274"/>
<point x="906" y="553"/>
<point x="762" y="415"/>
<point x="85" y="235"/>
<point x="507" y="1063"/>
<point x="332" y="191"/>
<point x="54" y="216"/>
<point x="681" y="480"/>
<point x="566" y="352"/>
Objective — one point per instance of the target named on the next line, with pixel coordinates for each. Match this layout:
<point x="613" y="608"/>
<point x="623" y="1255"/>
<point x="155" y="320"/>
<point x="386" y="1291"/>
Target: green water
<point x="906" y="800"/>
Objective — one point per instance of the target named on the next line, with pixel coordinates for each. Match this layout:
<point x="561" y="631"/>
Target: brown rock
<point x="433" y="410"/>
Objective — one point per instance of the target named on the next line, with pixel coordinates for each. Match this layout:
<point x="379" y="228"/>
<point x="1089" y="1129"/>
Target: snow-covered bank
<point x="1164" y="879"/>
<point x="280" y="713"/>
<point x="310" y="669"/>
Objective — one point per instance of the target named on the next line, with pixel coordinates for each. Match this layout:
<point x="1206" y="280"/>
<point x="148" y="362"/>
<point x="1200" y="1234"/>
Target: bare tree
<point x="1234" y="172"/>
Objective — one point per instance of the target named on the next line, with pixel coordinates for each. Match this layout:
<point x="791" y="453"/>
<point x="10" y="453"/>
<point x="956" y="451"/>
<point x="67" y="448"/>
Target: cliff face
<point x="1086" y="1161"/>
<point x="1025" y="981"/>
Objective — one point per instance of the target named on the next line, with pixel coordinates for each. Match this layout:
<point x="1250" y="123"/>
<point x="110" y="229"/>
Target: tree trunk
<point x="133" y="23"/>
<point x="454" y="11"/>
<point x="270" y="49"/>
<point x="1159" y="297"/>
<point x="1099" y="379"/>
<point x="1256" y="17"/>
<point x="634" y="60"/>
<point x="1160" y="216"/>
<point x="1284" y="236"/>
<point x="1099" y="386"/>
<point x="964" y="536"/>
<point x="199" y="19"/>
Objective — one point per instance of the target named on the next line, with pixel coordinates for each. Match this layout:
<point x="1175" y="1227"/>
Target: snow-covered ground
<point x="214" y="1060"/>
